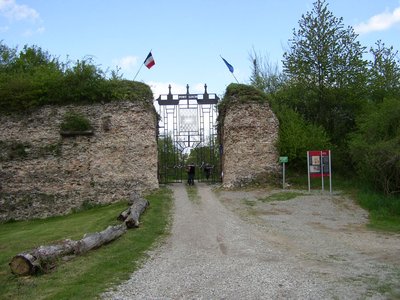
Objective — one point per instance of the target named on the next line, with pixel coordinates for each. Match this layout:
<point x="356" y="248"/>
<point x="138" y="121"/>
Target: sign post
<point x="283" y="160"/>
<point x="319" y="165"/>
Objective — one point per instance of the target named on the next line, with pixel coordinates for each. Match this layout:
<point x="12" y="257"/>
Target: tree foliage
<point x="296" y="136"/>
<point x="323" y="53"/>
<point x="375" y="146"/>
<point x="330" y="90"/>
<point x="384" y="72"/>
<point x="325" y="66"/>
<point x="264" y="74"/>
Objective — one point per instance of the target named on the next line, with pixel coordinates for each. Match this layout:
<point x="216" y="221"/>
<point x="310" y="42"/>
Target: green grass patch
<point x="384" y="210"/>
<point x="283" y="196"/>
<point x="193" y="193"/>
<point x="86" y="276"/>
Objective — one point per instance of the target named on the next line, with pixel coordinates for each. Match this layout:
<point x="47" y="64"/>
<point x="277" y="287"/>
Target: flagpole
<point x="141" y="66"/>
<point x="137" y="72"/>
<point x="235" y="77"/>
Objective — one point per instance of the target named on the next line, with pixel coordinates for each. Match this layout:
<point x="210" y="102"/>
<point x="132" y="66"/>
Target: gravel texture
<point x="234" y="245"/>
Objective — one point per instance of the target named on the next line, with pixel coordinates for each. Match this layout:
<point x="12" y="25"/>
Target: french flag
<point x="149" y="61"/>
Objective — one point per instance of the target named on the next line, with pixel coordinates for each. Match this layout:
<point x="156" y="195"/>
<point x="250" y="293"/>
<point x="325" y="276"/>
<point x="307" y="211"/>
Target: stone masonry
<point x="249" y="135"/>
<point x="44" y="174"/>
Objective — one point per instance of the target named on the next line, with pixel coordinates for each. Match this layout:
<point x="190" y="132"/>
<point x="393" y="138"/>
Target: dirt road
<point x="236" y="245"/>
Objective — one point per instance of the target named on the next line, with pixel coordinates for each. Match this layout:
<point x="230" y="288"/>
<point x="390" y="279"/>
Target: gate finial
<point x="205" y="95"/>
<point x="169" y="96"/>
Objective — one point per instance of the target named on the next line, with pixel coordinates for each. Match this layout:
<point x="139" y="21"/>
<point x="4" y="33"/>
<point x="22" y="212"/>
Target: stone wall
<point x="249" y="134"/>
<point x="43" y="173"/>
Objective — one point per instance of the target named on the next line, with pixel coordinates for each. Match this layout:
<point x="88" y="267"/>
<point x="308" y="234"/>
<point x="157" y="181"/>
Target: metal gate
<point x="188" y="136"/>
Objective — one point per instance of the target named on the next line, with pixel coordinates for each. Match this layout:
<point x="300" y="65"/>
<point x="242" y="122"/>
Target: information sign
<point x="283" y="159"/>
<point x="319" y="165"/>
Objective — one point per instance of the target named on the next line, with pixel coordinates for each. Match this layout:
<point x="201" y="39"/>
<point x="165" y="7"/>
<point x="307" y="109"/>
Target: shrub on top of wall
<point x="32" y="78"/>
<point x="239" y="93"/>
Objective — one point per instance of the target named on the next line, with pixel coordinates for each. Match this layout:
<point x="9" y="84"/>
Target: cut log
<point x="132" y="214"/>
<point x="97" y="239"/>
<point x="45" y="257"/>
<point x="136" y="210"/>
<point x="123" y="215"/>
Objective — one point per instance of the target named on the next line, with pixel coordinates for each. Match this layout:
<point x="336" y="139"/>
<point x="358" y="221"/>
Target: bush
<point x="31" y="78"/>
<point x="375" y="146"/>
<point x="75" y="122"/>
<point x="240" y="93"/>
<point x="296" y="137"/>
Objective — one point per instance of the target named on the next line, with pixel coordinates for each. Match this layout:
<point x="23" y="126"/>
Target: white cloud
<point x="379" y="22"/>
<point x="127" y="63"/>
<point x="30" y="32"/>
<point x="18" y="12"/>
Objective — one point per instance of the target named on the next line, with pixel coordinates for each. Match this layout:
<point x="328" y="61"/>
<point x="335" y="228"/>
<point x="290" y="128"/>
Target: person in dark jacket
<point x="191" y="172"/>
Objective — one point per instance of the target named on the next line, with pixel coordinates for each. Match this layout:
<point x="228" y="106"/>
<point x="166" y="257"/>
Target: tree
<point x="384" y="72"/>
<point x="375" y="146"/>
<point x="296" y="137"/>
<point x="7" y="57"/>
<point x="264" y="74"/>
<point x="325" y="65"/>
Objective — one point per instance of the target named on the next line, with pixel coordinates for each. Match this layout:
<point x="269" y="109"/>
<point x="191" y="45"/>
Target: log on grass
<point x="131" y="215"/>
<point x="45" y="257"/>
<point x="97" y="239"/>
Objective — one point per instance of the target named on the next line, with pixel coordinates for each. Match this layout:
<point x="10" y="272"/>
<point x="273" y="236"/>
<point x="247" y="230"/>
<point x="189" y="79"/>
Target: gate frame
<point x="187" y="134"/>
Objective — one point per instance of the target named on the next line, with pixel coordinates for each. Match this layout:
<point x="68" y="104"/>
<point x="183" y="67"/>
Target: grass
<point x="384" y="211"/>
<point x="283" y="196"/>
<point x="86" y="276"/>
<point x="375" y="285"/>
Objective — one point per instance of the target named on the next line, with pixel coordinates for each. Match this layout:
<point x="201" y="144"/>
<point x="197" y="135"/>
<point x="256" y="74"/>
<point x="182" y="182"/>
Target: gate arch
<point x="187" y="135"/>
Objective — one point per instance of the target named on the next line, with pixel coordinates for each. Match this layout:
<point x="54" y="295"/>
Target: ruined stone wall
<point x="249" y="134"/>
<point x="43" y="173"/>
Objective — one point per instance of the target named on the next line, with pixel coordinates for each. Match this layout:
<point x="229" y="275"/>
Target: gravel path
<point x="234" y="246"/>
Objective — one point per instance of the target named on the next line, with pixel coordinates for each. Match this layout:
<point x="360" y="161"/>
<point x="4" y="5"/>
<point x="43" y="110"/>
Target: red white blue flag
<point x="149" y="61"/>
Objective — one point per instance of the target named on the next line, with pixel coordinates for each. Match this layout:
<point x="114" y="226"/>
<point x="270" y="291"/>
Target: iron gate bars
<point x="188" y="135"/>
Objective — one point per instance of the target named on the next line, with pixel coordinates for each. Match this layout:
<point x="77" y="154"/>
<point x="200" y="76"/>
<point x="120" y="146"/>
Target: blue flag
<point x="230" y="67"/>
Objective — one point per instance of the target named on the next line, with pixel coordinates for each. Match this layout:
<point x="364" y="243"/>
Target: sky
<point x="186" y="37"/>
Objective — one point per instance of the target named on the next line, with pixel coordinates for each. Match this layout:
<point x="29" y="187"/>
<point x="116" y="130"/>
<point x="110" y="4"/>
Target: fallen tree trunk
<point x="131" y="215"/>
<point x="44" y="257"/>
<point x="97" y="239"/>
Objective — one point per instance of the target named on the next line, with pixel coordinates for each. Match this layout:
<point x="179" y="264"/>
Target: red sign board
<point x="319" y="163"/>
